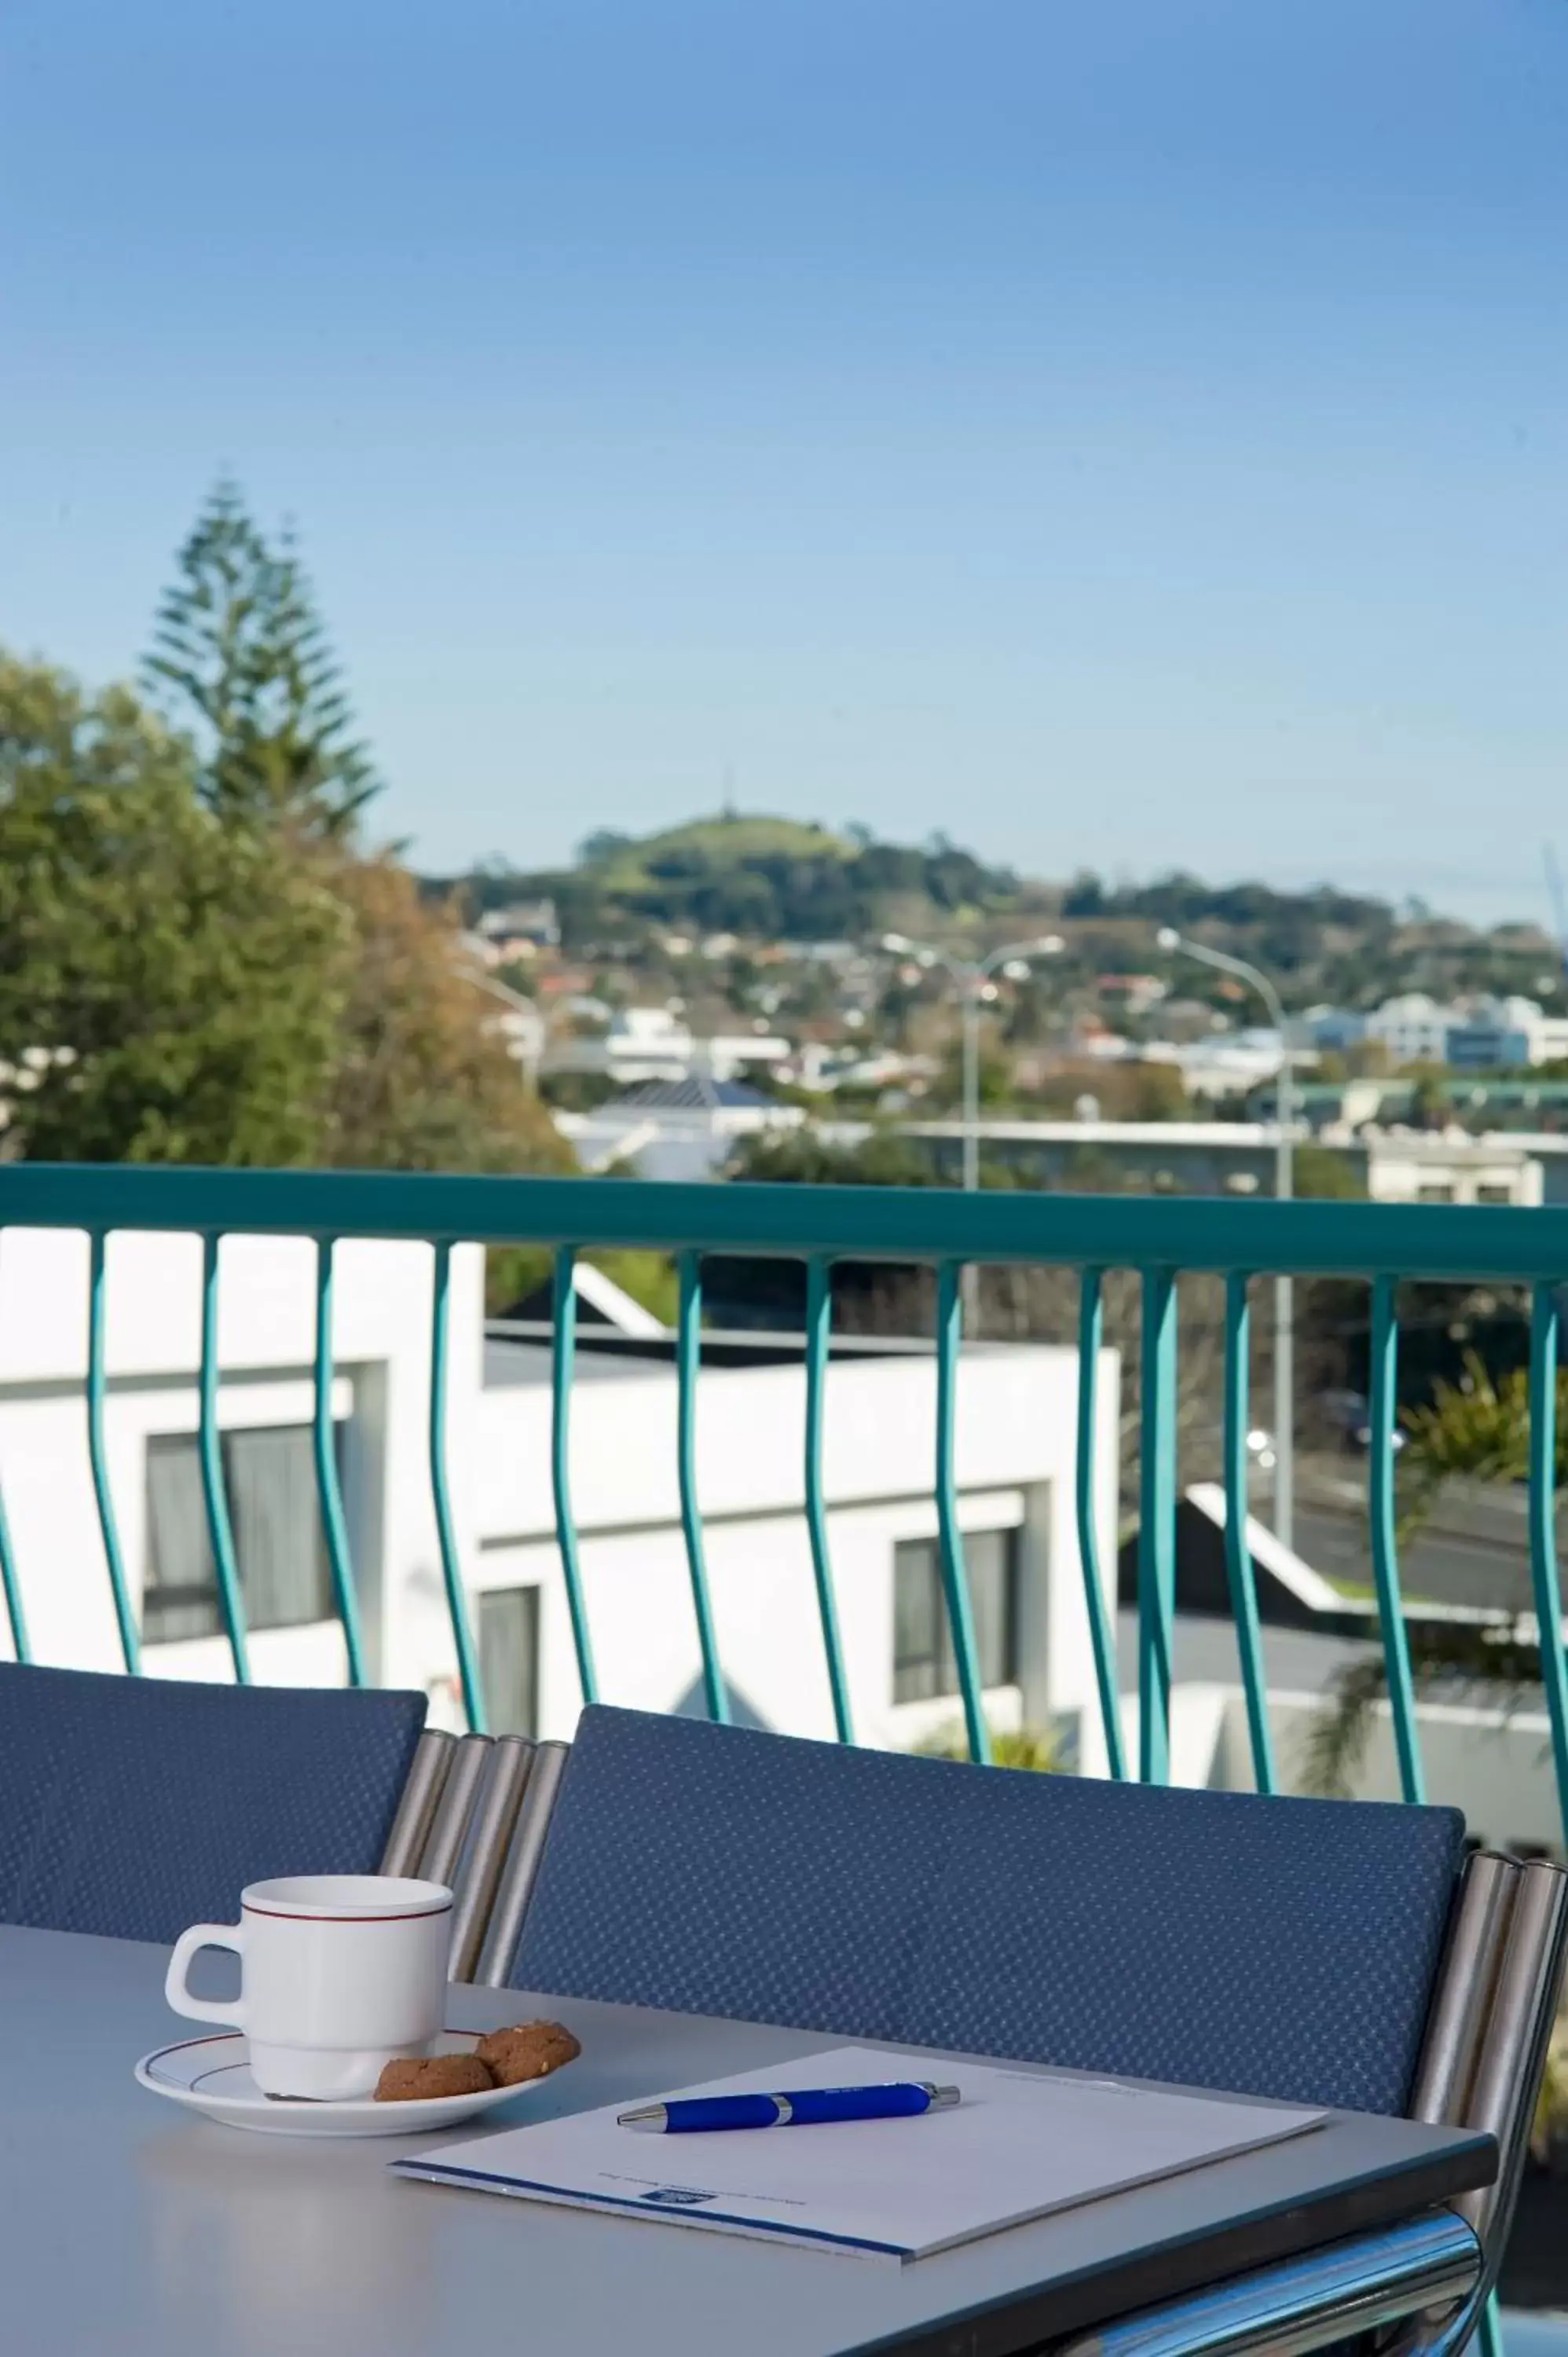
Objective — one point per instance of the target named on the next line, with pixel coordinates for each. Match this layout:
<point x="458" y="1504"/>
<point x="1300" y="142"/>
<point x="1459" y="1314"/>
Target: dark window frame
<point x="185" y="1611"/>
<point x="924" y="1666"/>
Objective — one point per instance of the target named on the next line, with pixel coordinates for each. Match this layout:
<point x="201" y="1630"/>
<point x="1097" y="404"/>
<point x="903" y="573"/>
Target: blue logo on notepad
<point x="677" y="2197"/>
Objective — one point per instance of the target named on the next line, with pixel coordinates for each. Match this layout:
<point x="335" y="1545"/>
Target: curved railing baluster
<point x="214" y="1490"/>
<point x="98" y="1455"/>
<point x="1544" y="1581"/>
<point x="688" y="1362"/>
<point x="1238" y="1553"/>
<point x="955" y="1575"/>
<point x="1384" y="1416"/>
<point x="329" y="1490"/>
<point x="446" y="1539"/>
<point x="819" y="1326"/>
<point x="11" y="1588"/>
<point x="1156" y="1523"/>
<point x="1101" y="1634"/>
<point x="562" y="1362"/>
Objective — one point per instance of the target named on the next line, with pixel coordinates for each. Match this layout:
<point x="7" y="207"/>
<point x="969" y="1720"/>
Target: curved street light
<point x="1177" y="944"/>
<point x="973" y="976"/>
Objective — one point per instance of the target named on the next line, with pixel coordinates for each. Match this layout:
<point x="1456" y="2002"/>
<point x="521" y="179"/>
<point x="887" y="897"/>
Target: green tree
<point x="1431" y="1105"/>
<point x="1037" y="1748"/>
<point x="171" y="988"/>
<point x="240" y="655"/>
<point x="803" y="1156"/>
<point x="513" y="1271"/>
<point x="178" y="984"/>
<point x="993" y="1078"/>
<point x="1323" y="1174"/>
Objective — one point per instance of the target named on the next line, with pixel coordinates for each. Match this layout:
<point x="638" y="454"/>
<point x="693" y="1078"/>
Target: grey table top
<point x="128" y="2225"/>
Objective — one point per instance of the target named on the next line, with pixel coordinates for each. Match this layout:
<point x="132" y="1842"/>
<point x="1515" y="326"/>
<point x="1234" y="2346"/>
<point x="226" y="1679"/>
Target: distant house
<point x="653" y="1043"/>
<point x="1477" y="1035"/>
<point x="1136" y="992"/>
<point x="1504" y="1034"/>
<point x="684" y="1129"/>
<point x="520" y="930"/>
<point x="1412" y="1028"/>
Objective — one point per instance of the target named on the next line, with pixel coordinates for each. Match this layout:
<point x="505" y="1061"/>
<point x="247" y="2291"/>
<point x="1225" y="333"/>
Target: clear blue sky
<point x="1125" y="433"/>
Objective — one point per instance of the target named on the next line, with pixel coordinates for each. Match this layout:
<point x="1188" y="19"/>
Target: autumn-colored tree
<point x="426" y="1079"/>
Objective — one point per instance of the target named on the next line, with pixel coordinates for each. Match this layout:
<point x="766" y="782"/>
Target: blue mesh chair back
<point x="134" y="1806"/>
<point x="1270" y="1947"/>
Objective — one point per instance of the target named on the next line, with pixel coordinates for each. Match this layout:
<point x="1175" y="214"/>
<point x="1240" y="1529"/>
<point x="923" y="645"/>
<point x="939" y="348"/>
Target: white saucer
<point x="212" y="2075"/>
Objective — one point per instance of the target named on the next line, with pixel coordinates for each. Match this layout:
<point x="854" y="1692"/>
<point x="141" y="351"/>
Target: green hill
<point x="774" y="879"/>
<point x="624" y="865"/>
<point x="766" y="878"/>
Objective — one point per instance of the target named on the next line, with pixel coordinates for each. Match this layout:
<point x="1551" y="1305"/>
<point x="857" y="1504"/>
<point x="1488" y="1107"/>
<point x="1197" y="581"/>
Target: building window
<point x="268" y="1479"/>
<point x="509" y="1659"/>
<point x="1490" y="1192"/>
<point x="923" y="1663"/>
<point x="1433" y="1190"/>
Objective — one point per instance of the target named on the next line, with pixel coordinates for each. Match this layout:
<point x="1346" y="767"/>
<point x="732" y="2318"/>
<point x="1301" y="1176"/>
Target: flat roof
<point x="508" y="1363"/>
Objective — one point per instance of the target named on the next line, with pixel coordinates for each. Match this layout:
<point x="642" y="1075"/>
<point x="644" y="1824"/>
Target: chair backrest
<point x="1271" y="1947"/>
<point x="134" y="1806"/>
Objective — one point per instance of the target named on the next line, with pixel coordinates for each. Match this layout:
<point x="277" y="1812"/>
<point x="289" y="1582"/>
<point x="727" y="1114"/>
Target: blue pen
<point x="801" y="2107"/>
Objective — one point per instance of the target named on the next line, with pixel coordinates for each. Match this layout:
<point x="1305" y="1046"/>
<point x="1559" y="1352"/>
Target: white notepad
<point x="1017" y="2146"/>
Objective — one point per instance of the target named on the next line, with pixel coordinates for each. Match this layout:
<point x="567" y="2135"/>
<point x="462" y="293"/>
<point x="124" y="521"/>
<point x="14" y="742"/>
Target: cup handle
<point x="202" y="2008"/>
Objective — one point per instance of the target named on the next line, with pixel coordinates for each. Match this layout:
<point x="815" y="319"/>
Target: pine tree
<point x="240" y="651"/>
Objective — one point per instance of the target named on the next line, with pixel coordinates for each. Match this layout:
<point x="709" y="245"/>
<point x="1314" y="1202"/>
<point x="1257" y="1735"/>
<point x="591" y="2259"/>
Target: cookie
<point x="530" y="2050"/>
<point x="419" y="2077"/>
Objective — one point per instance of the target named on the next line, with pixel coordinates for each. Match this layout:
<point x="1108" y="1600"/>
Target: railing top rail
<point x="886" y="1223"/>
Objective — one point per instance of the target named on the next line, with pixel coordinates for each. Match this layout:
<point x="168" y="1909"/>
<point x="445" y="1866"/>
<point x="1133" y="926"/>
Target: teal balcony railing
<point x="1157" y="1240"/>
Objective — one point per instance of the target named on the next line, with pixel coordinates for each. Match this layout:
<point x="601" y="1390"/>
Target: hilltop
<point x="760" y="877"/>
<point x="768" y="880"/>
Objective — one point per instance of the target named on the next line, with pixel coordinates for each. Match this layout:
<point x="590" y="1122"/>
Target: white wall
<point x="267" y="1343"/>
<point x="1014" y="1452"/>
<point x="1015" y="1455"/>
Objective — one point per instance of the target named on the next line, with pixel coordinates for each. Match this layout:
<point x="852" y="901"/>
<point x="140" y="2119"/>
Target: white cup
<point x="339" y="1974"/>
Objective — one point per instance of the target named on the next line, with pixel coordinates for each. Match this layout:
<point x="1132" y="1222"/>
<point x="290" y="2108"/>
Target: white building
<point x="1014" y="1462"/>
<point x="1015" y="1465"/>
<point x="1412" y="1028"/>
<point x="1227" y="1063"/>
<point x="1450" y="1167"/>
<point x="1477" y="1035"/>
<point x="652" y="1043"/>
<point x="1505" y="1034"/>
<point x="684" y="1130"/>
<point x="520" y="930"/>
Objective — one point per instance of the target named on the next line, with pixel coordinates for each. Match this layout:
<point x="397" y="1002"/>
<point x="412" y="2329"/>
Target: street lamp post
<point x="973" y="977"/>
<point x="1284" y="1188"/>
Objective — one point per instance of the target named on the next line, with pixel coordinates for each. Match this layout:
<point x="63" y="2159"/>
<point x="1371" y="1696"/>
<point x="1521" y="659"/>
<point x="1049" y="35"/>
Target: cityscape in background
<point x="684" y="1005"/>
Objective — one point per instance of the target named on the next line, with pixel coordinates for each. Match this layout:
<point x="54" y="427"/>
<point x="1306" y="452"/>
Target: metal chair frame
<point x="474" y="1815"/>
<point x="1418" y="2288"/>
